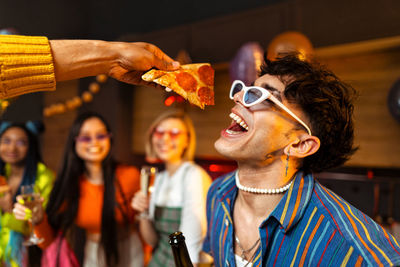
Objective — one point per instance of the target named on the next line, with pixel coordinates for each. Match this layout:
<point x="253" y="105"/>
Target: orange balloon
<point x="289" y="42"/>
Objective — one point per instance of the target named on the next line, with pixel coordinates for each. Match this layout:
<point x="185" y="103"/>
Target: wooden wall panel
<point x="372" y="68"/>
<point x="325" y="23"/>
<point x="337" y="22"/>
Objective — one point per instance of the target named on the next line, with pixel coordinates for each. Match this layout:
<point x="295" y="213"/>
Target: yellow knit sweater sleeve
<point x="26" y="65"/>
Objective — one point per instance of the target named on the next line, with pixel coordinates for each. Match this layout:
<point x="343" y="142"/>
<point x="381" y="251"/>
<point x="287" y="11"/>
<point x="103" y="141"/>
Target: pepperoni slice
<point x="186" y="81"/>
<point x="206" y="74"/>
<point x="206" y="95"/>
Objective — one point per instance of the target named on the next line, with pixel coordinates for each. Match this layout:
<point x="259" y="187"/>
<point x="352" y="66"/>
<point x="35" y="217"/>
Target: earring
<point x="287" y="163"/>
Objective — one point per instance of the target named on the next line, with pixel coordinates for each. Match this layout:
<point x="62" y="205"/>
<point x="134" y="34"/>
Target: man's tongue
<point x="236" y="128"/>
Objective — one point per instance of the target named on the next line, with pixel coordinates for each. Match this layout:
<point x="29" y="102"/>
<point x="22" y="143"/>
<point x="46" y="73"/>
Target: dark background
<point x="108" y="20"/>
<point x="324" y="22"/>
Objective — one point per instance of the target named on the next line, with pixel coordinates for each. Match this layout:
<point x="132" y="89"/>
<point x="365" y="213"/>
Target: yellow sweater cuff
<point x="26" y="65"/>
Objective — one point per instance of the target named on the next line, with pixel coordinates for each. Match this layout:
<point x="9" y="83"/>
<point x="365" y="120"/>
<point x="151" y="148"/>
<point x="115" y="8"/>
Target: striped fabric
<point x="166" y="222"/>
<point x="311" y="226"/>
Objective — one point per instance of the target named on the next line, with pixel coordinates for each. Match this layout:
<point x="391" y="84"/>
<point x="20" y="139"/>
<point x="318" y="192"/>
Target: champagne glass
<point x="31" y="198"/>
<point x="147" y="176"/>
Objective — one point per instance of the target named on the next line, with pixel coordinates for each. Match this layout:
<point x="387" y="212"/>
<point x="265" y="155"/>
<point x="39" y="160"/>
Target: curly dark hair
<point x="326" y="101"/>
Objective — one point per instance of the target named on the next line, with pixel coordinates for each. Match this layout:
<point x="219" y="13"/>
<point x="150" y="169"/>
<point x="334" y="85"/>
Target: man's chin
<point x="224" y="149"/>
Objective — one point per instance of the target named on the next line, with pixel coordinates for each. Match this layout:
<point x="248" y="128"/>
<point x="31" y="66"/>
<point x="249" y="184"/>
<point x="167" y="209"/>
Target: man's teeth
<point x="239" y="121"/>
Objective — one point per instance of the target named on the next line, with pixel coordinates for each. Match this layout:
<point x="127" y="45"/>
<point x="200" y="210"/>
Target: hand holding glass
<point x="147" y="176"/>
<point x="31" y="199"/>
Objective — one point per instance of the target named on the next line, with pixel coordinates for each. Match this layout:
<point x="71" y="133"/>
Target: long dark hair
<point x="33" y="156"/>
<point x="63" y="204"/>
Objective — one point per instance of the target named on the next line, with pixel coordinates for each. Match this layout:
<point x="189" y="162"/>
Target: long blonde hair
<point x="188" y="153"/>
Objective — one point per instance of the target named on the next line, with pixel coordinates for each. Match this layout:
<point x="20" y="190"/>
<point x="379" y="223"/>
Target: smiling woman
<point x="93" y="142"/>
<point x="178" y="199"/>
<point x="91" y="200"/>
<point x="14" y="145"/>
<point x="20" y="164"/>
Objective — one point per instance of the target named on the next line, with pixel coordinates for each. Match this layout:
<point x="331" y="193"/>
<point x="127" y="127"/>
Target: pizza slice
<point x="194" y="82"/>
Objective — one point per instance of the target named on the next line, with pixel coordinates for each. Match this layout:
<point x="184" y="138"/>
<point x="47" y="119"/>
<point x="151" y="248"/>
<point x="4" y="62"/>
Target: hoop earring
<point x="287" y="164"/>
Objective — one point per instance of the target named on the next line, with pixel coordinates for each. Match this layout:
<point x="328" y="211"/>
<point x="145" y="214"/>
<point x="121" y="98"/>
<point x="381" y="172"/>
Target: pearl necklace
<point x="261" y="190"/>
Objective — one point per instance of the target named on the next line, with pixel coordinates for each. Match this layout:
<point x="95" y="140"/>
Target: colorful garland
<point x="77" y="101"/>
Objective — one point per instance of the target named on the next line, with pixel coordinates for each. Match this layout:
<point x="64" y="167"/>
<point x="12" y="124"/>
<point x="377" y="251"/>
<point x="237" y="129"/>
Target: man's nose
<point x="238" y="97"/>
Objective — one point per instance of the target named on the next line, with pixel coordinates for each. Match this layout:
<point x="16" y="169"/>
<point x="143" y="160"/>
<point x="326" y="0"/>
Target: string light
<point x="77" y="101"/>
<point x="4" y="103"/>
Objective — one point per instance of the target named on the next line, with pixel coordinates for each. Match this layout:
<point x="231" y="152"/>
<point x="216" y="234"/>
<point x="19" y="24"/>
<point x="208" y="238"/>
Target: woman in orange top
<point x="89" y="203"/>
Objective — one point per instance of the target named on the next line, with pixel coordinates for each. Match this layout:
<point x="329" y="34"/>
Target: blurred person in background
<point x="20" y="165"/>
<point x="177" y="202"/>
<point x="90" y="202"/>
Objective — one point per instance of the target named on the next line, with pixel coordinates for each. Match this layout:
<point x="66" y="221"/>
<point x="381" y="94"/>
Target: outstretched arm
<point x="32" y="64"/>
<point x="125" y="62"/>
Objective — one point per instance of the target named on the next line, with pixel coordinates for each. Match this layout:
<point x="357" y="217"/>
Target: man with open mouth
<point x="296" y="120"/>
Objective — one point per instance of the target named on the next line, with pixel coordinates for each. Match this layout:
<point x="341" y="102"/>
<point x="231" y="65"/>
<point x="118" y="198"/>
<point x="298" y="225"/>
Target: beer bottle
<point x="179" y="250"/>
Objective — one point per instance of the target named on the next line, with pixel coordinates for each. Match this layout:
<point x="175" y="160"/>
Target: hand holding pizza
<point x="123" y="61"/>
<point x="136" y="58"/>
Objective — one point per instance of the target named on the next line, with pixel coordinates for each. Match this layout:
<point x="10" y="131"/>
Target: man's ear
<point x="303" y="147"/>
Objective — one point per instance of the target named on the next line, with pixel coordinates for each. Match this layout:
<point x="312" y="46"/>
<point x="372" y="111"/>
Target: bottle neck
<point x="179" y="250"/>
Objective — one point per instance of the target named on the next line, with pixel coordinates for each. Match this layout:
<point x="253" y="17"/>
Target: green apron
<point x="166" y="221"/>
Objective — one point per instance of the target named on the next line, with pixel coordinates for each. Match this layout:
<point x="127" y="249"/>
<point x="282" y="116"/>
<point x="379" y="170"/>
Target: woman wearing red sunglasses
<point x="178" y="199"/>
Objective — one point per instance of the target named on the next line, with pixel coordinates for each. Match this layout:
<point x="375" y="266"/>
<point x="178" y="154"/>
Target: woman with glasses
<point x="90" y="203"/>
<point x="177" y="202"/>
<point x="20" y="165"/>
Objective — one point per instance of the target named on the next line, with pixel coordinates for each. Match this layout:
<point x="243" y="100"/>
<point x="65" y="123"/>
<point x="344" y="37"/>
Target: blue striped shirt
<point x="311" y="226"/>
